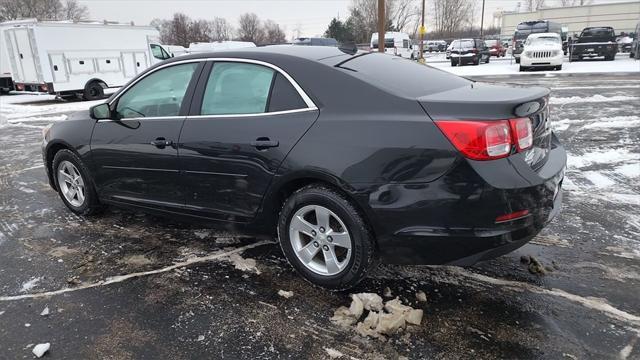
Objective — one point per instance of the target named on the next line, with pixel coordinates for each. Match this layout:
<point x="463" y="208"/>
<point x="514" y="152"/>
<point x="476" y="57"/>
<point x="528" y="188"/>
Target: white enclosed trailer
<point x="6" y="80"/>
<point x="66" y="58"/>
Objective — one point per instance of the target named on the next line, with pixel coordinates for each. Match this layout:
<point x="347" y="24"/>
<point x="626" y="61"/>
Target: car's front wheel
<point x="73" y="183"/>
<point x="325" y="238"/>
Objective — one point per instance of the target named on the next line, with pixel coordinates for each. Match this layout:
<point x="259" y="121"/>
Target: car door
<point x="246" y="118"/>
<point x="135" y="154"/>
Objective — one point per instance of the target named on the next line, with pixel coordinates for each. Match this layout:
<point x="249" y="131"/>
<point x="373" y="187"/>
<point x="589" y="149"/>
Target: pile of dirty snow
<point x="373" y="318"/>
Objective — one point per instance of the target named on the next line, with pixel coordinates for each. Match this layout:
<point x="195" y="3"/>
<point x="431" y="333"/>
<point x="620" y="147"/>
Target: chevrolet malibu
<point x="347" y="158"/>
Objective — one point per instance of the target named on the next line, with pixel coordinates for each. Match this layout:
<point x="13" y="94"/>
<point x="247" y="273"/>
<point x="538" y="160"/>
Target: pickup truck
<point x="594" y="42"/>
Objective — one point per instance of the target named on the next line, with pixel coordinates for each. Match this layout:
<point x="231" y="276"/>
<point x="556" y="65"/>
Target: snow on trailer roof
<point x="90" y="23"/>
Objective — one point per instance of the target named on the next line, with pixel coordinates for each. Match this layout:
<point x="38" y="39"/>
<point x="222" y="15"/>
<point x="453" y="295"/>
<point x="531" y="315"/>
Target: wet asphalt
<point x="586" y="305"/>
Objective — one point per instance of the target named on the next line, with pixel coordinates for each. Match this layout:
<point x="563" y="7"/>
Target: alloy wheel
<point x="320" y="240"/>
<point x="71" y="183"/>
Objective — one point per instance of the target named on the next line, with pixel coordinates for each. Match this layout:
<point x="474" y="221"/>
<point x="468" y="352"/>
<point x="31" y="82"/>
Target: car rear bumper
<point x="452" y="220"/>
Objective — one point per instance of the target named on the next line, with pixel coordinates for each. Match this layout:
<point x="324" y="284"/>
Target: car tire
<point x="488" y="58"/>
<point x="350" y="266"/>
<point x="477" y="61"/>
<point x="93" y="91"/>
<point x="85" y="201"/>
<point x="559" y="67"/>
<point x="517" y="60"/>
<point x="521" y="69"/>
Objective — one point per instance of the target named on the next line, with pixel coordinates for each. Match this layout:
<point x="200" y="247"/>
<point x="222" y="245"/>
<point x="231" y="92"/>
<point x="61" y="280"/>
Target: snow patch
<point x="598" y="180"/>
<point x="600" y="157"/>
<point x="591" y="99"/>
<point x="616" y="122"/>
<point x="333" y="353"/>
<point x="285" y="294"/>
<point x="26" y="286"/>
<point x="243" y="264"/>
<point x="627" y="170"/>
<point x="40" y="349"/>
<point x="380" y="320"/>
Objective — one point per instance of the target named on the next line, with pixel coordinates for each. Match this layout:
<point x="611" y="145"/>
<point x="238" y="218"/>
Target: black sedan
<point x="348" y="158"/>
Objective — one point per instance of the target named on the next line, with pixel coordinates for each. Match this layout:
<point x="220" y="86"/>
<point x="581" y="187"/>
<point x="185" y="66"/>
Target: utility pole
<point x="422" y="31"/>
<point x="482" y="20"/>
<point x="381" y="22"/>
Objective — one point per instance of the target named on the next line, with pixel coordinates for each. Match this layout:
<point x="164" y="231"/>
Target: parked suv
<point x="471" y="51"/>
<point x="594" y="42"/>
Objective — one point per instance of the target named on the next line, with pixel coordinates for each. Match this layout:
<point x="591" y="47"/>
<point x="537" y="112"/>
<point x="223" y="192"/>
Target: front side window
<point x="158" y="52"/>
<point x="158" y="94"/>
<point x="237" y="88"/>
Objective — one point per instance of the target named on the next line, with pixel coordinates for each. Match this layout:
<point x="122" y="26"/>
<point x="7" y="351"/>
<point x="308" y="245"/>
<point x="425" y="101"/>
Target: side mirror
<point x="100" y="112"/>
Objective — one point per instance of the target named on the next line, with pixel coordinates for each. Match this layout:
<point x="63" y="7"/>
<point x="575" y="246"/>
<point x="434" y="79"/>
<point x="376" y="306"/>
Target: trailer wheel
<point x="93" y="91"/>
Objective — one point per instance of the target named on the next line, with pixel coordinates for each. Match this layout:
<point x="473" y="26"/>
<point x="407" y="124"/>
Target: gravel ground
<point x="221" y="299"/>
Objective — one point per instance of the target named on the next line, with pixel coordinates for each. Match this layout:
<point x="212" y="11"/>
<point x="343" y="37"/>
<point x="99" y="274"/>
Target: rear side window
<point x="402" y="76"/>
<point x="284" y="96"/>
<point x="237" y="88"/>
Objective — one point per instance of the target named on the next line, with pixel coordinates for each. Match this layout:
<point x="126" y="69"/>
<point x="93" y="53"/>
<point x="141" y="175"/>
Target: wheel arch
<point x="282" y="188"/>
<point x="98" y="80"/>
<point x="51" y="150"/>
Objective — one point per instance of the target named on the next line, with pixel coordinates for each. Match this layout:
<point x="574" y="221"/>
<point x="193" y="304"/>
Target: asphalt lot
<point x="221" y="306"/>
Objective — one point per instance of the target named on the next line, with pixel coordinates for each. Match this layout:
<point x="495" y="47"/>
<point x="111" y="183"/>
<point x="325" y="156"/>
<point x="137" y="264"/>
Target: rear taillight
<point x="512" y="216"/>
<point x="474" y="50"/>
<point x="488" y="140"/>
<point x="522" y="133"/>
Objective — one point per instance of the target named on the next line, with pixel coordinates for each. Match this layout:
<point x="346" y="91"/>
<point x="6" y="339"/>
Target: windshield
<point x="543" y="40"/>
<point x="462" y="44"/>
<point x="597" y="32"/>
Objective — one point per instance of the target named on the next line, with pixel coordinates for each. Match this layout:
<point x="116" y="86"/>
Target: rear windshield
<point x="597" y="32"/>
<point x="462" y="44"/>
<point x="402" y="76"/>
<point x="491" y="42"/>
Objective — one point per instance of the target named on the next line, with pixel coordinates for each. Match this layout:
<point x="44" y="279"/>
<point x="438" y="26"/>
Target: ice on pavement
<point x="45" y="312"/>
<point x="40" y="349"/>
<point x="374" y="319"/>
<point x="285" y="294"/>
<point x="28" y="285"/>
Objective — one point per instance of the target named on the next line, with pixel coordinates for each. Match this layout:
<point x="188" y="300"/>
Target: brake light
<point x="512" y="216"/>
<point x="474" y="50"/>
<point x="488" y="140"/>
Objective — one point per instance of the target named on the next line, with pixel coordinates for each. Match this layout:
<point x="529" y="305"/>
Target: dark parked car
<point x="347" y="158"/>
<point x="594" y="42"/>
<point x="469" y="51"/>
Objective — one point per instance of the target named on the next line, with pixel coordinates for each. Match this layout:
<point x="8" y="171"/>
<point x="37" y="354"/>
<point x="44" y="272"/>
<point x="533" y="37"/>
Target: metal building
<point x="622" y="16"/>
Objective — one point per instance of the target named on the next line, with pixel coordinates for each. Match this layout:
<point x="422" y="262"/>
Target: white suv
<point x="542" y="50"/>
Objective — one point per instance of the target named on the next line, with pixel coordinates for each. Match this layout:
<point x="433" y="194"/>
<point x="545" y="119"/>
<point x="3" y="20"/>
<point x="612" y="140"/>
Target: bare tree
<point x="220" y="29"/>
<point x="199" y="31"/>
<point x="179" y="29"/>
<point x="450" y="16"/>
<point x="533" y="5"/>
<point x="575" y="2"/>
<point x="42" y="10"/>
<point x="405" y="14"/>
<point x="249" y="28"/>
<point x="72" y="10"/>
<point x="273" y="33"/>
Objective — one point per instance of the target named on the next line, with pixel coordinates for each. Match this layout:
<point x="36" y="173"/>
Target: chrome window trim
<point x="250" y="114"/>
<point x="307" y="100"/>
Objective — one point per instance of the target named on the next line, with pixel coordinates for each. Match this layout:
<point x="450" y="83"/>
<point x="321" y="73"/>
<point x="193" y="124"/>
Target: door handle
<point x="264" y="143"/>
<point x="161" y="142"/>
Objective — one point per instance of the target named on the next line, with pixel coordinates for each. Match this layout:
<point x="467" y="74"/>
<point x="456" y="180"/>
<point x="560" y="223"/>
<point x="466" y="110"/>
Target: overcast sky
<point x="311" y="16"/>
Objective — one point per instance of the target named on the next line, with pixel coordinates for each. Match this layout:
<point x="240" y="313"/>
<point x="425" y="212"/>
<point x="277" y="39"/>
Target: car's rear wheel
<point x="522" y="68"/>
<point x="488" y="58"/>
<point x="517" y="60"/>
<point x="73" y="183"/>
<point x="454" y="63"/>
<point x="325" y="238"/>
